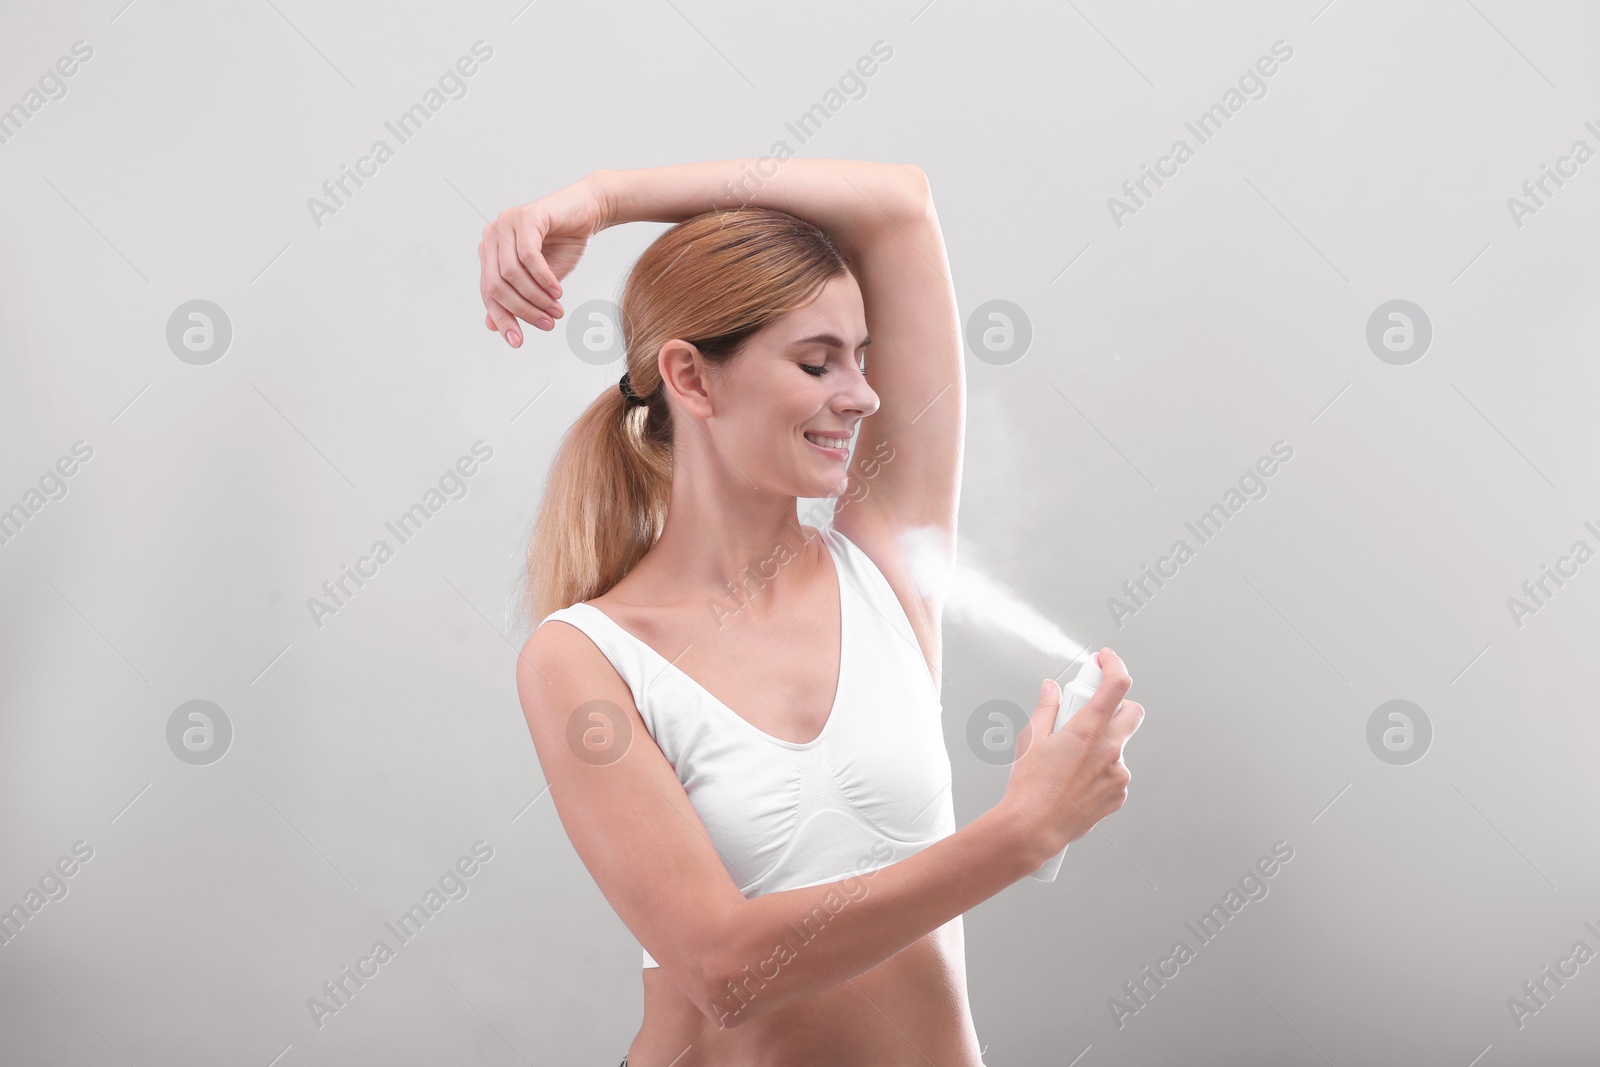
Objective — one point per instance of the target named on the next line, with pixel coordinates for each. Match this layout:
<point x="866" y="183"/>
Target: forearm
<point x="786" y="946"/>
<point x="847" y="199"/>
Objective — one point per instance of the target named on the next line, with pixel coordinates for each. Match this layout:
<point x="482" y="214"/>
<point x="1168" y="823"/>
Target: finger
<point x="497" y="250"/>
<point x="1127" y="724"/>
<point x="1110" y="655"/>
<point x="1114" y="685"/>
<point x="531" y="255"/>
<point x="515" y="287"/>
<point x="489" y="283"/>
<point x="488" y="270"/>
<point x="527" y="249"/>
<point x="1043" y="719"/>
<point x="502" y="320"/>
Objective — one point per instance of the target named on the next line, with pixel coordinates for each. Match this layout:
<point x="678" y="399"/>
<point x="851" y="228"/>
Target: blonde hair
<point x="712" y="280"/>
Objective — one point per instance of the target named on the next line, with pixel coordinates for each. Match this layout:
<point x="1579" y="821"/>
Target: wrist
<point x="1020" y="837"/>
<point x="603" y="186"/>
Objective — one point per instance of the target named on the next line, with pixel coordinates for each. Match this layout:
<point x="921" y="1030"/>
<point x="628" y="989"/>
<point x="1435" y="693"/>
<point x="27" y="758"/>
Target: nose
<point x="859" y="400"/>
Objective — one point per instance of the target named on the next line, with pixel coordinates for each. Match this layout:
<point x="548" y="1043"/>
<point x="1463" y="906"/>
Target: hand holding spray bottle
<point x="1074" y="695"/>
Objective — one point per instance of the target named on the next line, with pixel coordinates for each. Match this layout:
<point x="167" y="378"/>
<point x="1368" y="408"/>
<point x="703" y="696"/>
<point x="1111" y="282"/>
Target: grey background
<point x="1167" y="355"/>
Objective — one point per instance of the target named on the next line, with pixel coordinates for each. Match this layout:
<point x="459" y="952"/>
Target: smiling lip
<point x="836" y="453"/>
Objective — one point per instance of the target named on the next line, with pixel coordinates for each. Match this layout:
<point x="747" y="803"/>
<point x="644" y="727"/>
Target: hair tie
<point x="626" y="386"/>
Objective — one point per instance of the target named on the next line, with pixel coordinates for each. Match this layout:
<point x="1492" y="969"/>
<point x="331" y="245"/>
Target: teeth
<point x="828" y="442"/>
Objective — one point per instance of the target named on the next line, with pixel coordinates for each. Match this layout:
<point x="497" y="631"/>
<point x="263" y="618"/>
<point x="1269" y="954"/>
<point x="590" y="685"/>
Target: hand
<point x="1063" y="783"/>
<point x="527" y="250"/>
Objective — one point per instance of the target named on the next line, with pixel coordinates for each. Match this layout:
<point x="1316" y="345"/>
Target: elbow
<point x="730" y="992"/>
<point x="723" y="1015"/>
<point x="703" y="982"/>
<point x="717" y="999"/>
<point x="916" y="198"/>
<point x="706" y="953"/>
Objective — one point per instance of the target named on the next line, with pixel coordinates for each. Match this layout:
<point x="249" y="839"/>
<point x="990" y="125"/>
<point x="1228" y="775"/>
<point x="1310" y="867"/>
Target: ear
<point x="683" y="373"/>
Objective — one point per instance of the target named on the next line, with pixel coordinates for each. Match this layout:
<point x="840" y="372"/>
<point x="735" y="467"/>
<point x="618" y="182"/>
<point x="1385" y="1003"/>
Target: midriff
<point x="909" y="1011"/>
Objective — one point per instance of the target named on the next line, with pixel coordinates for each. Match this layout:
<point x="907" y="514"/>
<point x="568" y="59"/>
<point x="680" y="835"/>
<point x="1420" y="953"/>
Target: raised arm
<point x="851" y="200"/>
<point x="906" y="468"/>
<point x="905" y="472"/>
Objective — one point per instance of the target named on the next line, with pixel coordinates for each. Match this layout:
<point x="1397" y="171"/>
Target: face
<point x="801" y="375"/>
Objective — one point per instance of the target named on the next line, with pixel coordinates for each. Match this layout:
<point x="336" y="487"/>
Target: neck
<point x="730" y="540"/>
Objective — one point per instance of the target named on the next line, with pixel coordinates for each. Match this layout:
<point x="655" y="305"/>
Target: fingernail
<point x="554" y="291"/>
<point x="513" y="337"/>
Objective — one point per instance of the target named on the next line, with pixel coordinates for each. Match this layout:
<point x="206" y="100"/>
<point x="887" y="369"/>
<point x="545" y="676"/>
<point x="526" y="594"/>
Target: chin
<point x="816" y="489"/>
<point x="834" y="488"/>
<point x="816" y="485"/>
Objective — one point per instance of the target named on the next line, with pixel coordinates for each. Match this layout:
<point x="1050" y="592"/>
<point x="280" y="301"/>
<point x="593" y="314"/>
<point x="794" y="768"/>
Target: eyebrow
<point x="831" y="340"/>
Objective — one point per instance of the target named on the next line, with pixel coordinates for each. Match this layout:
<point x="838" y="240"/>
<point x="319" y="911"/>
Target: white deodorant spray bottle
<point x="1074" y="695"/>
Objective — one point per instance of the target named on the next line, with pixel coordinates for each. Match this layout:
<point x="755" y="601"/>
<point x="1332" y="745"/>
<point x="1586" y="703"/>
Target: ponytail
<point x="713" y="280"/>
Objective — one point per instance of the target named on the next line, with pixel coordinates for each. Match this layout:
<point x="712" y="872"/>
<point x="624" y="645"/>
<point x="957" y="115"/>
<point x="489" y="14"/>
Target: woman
<point x="791" y="868"/>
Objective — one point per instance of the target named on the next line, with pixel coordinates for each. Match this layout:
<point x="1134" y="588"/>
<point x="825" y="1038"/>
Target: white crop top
<point x="871" y="789"/>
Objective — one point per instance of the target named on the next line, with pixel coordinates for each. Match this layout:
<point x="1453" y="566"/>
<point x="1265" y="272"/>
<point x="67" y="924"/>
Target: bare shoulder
<point x="552" y="654"/>
<point x="558" y="664"/>
<point x="561" y="667"/>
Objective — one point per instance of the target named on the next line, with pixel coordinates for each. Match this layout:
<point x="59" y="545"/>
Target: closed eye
<point x="817" y="370"/>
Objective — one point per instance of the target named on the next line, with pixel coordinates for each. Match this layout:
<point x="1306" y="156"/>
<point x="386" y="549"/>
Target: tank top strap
<point x="870" y="582"/>
<point x="619" y="646"/>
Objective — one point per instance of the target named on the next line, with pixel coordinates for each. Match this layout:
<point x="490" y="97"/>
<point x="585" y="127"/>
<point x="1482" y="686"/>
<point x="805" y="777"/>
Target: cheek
<point x="790" y="408"/>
